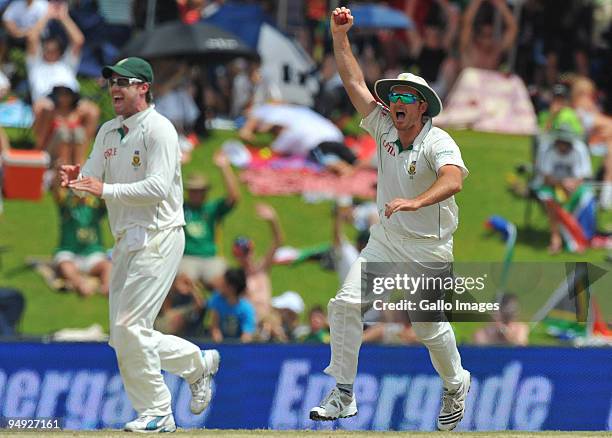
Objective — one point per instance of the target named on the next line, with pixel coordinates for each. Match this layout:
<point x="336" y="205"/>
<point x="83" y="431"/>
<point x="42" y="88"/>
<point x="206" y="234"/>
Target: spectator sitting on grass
<point x="598" y="128"/>
<point x="231" y="316"/>
<point x="259" y="286"/>
<point x="505" y="329"/>
<point x="201" y="262"/>
<point x="560" y="114"/>
<point x="80" y="252"/>
<point x="289" y="305"/>
<point x="562" y="167"/>
<point x="393" y="327"/>
<point x="301" y="132"/>
<point x="48" y="67"/>
<point x="318" y="327"/>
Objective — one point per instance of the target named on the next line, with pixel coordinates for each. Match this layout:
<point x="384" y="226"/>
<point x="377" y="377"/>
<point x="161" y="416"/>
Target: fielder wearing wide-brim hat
<point x="382" y="88"/>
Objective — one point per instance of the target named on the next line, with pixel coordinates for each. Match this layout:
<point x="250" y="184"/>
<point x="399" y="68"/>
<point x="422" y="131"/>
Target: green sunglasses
<point x="407" y="98"/>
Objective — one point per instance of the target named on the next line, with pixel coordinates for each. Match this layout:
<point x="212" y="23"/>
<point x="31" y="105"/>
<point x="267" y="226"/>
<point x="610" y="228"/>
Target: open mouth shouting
<point x="400" y="115"/>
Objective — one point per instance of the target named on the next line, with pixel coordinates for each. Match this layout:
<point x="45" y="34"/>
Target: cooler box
<point x="23" y="173"/>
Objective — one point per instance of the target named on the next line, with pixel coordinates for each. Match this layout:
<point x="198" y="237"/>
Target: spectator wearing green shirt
<point x="560" y="114"/>
<point x="318" y="329"/>
<point x="80" y="251"/>
<point x="201" y="261"/>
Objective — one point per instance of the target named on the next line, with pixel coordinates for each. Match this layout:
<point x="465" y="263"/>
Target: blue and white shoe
<point x="151" y="424"/>
<point x="201" y="389"/>
<point x="453" y="404"/>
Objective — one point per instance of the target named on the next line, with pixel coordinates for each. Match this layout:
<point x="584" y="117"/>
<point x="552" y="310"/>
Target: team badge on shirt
<point x="136" y="160"/>
<point x="412" y="169"/>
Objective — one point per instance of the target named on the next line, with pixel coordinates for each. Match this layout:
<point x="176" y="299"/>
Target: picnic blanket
<point x="271" y="174"/>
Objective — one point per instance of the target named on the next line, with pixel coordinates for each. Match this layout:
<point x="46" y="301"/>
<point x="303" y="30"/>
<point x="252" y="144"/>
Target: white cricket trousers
<point x="345" y="309"/>
<point x="140" y="281"/>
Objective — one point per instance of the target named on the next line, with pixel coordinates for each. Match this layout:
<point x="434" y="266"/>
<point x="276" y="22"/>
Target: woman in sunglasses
<point x="419" y="170"/>
<point x="135" y="167"/>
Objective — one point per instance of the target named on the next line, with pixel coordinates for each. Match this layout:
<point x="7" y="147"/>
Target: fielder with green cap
<point x="419" y="170"/>
<point x="135" y="167"/>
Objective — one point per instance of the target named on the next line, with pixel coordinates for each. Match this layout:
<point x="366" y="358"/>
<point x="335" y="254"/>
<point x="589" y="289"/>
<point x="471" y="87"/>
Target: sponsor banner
<point x="274" y="386"/>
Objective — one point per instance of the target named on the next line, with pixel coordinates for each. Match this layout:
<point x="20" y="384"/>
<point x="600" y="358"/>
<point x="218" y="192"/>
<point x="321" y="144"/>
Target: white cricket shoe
<point x="201" y="389"/>
<point x="336" y="405"/>
<point x="151" y="424"/>
<point x="453" y="404"/>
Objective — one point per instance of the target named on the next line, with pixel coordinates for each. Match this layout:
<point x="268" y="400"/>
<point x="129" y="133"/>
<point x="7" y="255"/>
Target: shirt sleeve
<point x="9" y="13"/>
<point x="247" y="323"/>
<point x="94" y="166"/>
<point x="377" y="122"/>
<point x="71" y="60"/>
<point x="162" y="158"/>
<point x="445" y="151"/>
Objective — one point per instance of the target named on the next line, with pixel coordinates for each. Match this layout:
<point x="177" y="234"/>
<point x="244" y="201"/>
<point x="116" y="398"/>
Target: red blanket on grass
<point x="271" y="174"/>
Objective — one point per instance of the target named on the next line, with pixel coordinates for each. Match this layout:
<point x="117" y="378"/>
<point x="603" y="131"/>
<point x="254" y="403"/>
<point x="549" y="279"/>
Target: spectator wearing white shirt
<point x="49" y="67"/>
<point x="21" y="16"/>
<point x="562" y="168"/>
<point x="302" y="132"/>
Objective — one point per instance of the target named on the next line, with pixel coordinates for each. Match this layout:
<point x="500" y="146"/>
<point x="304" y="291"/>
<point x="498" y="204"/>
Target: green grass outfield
<point x="205" y="433"/>
<point x="31" y="228"/>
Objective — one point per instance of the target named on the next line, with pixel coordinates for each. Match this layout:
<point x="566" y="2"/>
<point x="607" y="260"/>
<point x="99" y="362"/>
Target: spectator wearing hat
<point x="50" y="67"/>
<point x="561" y="168"/>
<point x="259" y="286"/>
<point x="289" y="306"/>
<point x="560" y="114"/>
<point x="201" y="261"/>
<point x="231" y="315"/>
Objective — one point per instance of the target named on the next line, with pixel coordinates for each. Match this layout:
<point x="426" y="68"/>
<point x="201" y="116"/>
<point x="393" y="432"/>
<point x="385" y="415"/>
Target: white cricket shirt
<point x="406" y="171"/>
<point x="141" y="171"/>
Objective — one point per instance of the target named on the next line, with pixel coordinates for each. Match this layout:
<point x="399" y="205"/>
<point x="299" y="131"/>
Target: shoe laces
<point x="198" y="384"/>
<point x="334" y="395"/>
<point x="449" y="402"/>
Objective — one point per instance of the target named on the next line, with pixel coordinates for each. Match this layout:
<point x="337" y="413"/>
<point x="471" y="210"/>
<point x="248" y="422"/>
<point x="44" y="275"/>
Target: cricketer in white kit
<point x="135" y="167"/>
<point x="419" y="170"/>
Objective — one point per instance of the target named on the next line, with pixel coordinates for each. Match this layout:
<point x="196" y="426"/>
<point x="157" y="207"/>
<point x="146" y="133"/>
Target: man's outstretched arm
<point x="348" y="68"/>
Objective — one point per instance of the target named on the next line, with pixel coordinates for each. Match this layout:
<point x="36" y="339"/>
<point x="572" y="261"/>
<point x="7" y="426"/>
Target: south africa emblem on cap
<point x="136" y="162"/>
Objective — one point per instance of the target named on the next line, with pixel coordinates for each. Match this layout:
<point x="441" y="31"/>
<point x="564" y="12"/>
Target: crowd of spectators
<point x="563" y="61"/>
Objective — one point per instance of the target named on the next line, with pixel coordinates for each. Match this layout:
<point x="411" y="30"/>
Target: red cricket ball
<point x="341" y="18"/>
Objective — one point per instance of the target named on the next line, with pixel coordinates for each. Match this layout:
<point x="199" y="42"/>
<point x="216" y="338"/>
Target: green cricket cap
<point x="130" y="68"/>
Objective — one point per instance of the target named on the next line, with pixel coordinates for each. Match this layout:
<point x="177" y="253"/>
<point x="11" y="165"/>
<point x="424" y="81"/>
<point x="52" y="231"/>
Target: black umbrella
<point x="189" y="40"/>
